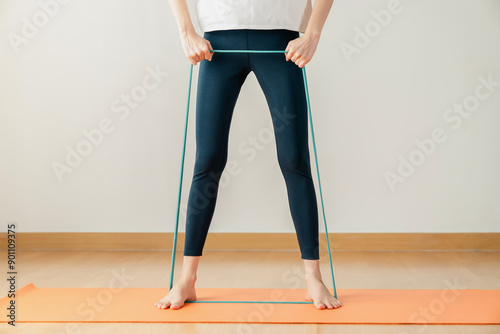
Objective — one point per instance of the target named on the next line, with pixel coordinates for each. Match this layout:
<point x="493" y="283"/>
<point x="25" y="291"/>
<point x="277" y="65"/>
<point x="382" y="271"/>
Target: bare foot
<point x="319" y="294"/>
<point x="180" y="292"/>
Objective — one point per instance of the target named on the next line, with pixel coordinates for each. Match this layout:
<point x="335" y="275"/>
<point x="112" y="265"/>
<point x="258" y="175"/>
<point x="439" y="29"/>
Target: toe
<point x="320" y="306"/>
<point x="175" y="306"/>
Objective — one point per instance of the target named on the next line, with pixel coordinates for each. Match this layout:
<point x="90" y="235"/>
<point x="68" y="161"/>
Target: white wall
<point x="368" y="109"/>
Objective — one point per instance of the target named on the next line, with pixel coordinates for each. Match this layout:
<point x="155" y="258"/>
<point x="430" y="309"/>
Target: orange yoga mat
<point x="360" y="306"/>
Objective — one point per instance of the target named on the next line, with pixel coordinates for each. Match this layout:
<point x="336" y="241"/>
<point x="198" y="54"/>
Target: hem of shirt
<point x="258" y="27"/>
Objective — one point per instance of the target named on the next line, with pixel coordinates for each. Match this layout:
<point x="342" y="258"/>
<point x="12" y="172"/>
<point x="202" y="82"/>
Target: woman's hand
<point x="301" y="50"/>
<point x="195" y="47"/>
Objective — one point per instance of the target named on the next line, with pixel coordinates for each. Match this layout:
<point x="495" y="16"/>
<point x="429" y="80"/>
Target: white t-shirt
<point x="253" y="14"/>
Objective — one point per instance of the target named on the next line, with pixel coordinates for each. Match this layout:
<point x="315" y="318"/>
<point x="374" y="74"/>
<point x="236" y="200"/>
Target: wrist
<point x="186" y="30"/>
<point x="312" y="34"/>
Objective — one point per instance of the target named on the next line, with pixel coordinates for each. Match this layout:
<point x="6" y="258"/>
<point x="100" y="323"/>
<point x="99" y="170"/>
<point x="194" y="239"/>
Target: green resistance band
<point x="182" y="172"/>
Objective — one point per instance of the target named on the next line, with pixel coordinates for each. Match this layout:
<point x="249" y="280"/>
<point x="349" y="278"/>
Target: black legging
<point x="219" y="84"/>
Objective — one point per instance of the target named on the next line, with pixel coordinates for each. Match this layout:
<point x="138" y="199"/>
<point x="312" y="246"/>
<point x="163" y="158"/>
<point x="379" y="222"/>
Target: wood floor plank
<point x="260" y="269"/>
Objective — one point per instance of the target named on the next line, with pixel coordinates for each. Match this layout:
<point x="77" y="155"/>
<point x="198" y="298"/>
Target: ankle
<point x="312" y="277"/>
<point x="188" y="278"/>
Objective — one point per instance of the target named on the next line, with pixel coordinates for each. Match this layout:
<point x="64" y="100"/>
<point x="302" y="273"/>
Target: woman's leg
<point x="283" y="86"/>
<point x="219" y="84"/>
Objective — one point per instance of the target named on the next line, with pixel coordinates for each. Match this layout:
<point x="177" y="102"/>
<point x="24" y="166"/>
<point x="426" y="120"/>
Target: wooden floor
<point x="260" y="269"/>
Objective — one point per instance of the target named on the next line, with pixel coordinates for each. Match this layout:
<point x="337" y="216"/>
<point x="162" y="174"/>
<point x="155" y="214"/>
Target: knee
<point x="210" y="163"/>
<point x="295" y="162"/>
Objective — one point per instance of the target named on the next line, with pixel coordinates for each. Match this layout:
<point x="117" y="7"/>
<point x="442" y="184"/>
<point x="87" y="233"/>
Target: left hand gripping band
<point x="182" y="172"/>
